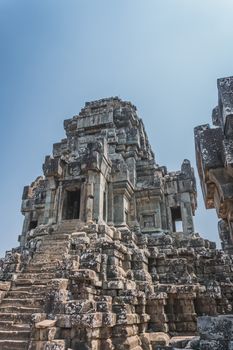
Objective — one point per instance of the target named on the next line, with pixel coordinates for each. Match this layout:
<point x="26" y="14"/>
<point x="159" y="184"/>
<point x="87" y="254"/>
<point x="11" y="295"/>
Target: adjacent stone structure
<point x="214" y="153"/>
<point x="108" y="256"/>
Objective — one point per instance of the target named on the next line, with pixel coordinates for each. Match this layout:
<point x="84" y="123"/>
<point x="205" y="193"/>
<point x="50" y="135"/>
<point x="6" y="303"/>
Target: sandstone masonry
<point x="214" y="154"/>
<point x="108" y="257"/>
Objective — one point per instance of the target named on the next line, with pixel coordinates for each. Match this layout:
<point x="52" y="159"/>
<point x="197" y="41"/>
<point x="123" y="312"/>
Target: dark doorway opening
<point x="33" y="224"/>
<point x="72" y="209"/>
<point x="176" y="219"/>
<point x="105" y="207"/>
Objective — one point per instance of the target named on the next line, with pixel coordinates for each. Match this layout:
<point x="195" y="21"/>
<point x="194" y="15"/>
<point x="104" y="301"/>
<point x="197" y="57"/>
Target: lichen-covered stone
<point x="102" y="262"/>
<point x="214" y="154"/>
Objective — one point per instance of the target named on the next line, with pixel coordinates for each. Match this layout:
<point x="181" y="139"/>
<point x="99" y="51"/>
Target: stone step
<point x="34" y="302"/>
<point x="24" y="282"/>
<point x="49" y="257"/>
<point x="69" y="221"/>
<point x="45" y="281"/>
<point x="6" y="324"/>
<point x="51" y="252"/>
<point x="19" y="309"/>
<point x="41" y="267"/>
<point x="15" y="317"/>
<point x="53" y="249"/>
<point x="39" y="288"/>
<point x="10" y="325"/>
<point x="13" y="344"/>
<point x="55" y="244"/>
<point x="39" y="275"/>
<point x="15" y="335"/>
<point x="32" y="269"/>
<point x="18" y="294"/>
<point x="49" y="245"/>
<point x="66" y="230"/>
<point x="44" y="265"/>
<point x="61" y="236"/>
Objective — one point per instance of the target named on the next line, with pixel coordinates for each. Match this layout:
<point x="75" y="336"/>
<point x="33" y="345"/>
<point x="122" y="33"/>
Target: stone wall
<point x="107" y="158"/>
<point x="214" y="154"/>
<point x="109" y="258"/>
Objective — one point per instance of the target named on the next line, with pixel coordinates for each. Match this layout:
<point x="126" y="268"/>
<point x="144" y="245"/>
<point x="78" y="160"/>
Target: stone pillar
<point x="133" y="213"/>
<point x="27" y="218"/>
<point x="110" y="205"/>
<point x="99" y="188"/>
<point x="155" y="308"/>
<point x="131" y="162"/>
<point x="158" y="221"/>
<point x="48" y="204"/>
<point x="89" y="199"/>
<point x="49" y="217"/>
<point x="186" y="213"/>
<point x="57" y="196"/>
<point x="119" y="211"/>
<point x="163" y="213"/>
<point x="60" y="200"/>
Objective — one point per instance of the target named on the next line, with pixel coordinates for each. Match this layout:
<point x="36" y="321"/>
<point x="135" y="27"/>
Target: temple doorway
<point x="177" y="225"/>
<point x="72" y="205"/>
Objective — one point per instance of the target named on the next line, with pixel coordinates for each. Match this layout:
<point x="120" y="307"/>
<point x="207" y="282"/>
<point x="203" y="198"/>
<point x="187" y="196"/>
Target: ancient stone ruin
<point x="214" y="154"/>
<point x="109" y="258"/>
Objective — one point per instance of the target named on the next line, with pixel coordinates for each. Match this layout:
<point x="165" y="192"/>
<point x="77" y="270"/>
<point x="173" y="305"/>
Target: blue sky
<point x="163" y="55"/>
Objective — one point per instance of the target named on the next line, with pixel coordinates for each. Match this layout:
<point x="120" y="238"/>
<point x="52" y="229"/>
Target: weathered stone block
<point x="45" y="324"/>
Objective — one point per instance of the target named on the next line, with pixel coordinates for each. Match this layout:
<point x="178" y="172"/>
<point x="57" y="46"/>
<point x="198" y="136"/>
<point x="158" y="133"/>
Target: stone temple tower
<point x="108" y="256"/>
<point x="105" y="172"/>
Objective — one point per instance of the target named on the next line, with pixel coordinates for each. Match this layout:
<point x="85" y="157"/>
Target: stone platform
<point x="108" y="257"/>
<point x="97" y="287"/>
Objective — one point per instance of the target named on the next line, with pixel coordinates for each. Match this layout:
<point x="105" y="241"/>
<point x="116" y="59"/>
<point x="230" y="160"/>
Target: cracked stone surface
<point x="108" y="257"/>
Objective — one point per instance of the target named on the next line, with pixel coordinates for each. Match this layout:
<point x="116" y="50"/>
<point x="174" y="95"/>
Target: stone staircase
<point x="100" y="288"/>
<point x="16" y="311"/>
<point x="27" y="293"/>
<point x="68" y="226"/>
